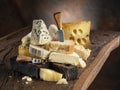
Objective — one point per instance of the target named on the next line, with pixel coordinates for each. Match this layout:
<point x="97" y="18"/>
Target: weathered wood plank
<point x="102" y="43"/>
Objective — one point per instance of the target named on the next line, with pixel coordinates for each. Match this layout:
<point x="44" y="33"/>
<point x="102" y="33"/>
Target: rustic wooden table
<point x="102" y="43"/>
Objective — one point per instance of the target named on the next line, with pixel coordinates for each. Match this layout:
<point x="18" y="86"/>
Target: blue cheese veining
<point x="40" y="34"/>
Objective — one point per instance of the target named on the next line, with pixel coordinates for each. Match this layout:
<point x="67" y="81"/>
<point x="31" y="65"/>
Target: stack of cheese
<point x="40" y="44"/>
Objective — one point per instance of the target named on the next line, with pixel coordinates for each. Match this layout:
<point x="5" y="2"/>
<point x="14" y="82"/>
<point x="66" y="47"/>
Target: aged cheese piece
<point x="78" y="32"/>
<point x="62" y="47"/>
<point x="82" y="52"/>
<point x="49" y="75"/>
<point x="72" y="59"/>
<point x="38" y="51"/>
<point x="24" y="51"/>
<point x="40" y="34"/>
<point x="26" y="40"/>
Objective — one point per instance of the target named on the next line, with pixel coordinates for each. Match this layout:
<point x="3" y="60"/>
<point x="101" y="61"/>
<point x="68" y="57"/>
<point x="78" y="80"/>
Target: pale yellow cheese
<point x="62" y="47"/>
<point x="78" y="32"/>
<point x="24" y="51"/>
<point x="72" y="59"/>
<point x="49" y="75"/>
<point x="82" y="52"/>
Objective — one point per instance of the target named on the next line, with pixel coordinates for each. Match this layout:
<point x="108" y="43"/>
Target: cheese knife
<point x="57" y="17"/>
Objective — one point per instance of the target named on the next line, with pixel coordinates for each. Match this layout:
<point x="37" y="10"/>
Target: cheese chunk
<point x="82" y="52"/>
<point x="26" y="40"/>
<point x="23" y="51"/>
<point x="62" y="81"/>
<point x="78" y="32"/>
<point x="53" y="30"/>
<point x="62" y="47"/>
<point x="40" y="34"/>
<point x="49" y="75"/>
<point x="38" y="51"/>
<point x="72" y="59"/>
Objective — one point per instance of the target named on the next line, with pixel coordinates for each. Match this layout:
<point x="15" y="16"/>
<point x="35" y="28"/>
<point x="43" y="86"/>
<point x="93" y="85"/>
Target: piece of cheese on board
<point x="72" y="59"/>
<point x="24" y="51"/>
<point x="82" y="52"/>
<point x="62" y="47"/>
<point x="79" y="32"/>
<point x="26" y="40"/>
<point x="38" y="51"/>
<point x="49" y="75"/>
<point x="40" y="34"/>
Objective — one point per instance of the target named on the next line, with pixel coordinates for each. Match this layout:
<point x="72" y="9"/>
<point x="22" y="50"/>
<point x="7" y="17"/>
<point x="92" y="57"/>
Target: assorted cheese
<point x="42" y="43"/>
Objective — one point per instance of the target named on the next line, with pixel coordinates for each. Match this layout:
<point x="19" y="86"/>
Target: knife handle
<point x="57" y="17"/>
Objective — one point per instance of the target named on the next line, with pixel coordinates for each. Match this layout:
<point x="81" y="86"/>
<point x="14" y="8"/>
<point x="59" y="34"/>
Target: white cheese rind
<point x="72" y="59"/>
<point x="38" y="51"/>
<point x="40" y="34"/>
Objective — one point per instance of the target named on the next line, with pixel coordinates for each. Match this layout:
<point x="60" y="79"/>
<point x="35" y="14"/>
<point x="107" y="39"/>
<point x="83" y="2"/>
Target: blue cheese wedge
<point x="38" y="51"/>
<point x="72" y="59"/>
<point x="40" y="34"/>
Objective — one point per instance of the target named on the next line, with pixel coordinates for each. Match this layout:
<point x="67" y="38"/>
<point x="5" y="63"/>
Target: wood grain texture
<point x="102" y="43"/>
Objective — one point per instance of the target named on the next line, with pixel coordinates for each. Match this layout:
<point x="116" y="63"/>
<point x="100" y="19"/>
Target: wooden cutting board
<point x="102" y="43"/>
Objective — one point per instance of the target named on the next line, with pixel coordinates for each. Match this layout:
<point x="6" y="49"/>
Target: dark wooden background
<point x="104" y="15"/>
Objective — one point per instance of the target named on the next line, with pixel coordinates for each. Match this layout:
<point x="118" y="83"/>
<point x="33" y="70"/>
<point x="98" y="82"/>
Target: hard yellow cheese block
<point x="79" y="32"/>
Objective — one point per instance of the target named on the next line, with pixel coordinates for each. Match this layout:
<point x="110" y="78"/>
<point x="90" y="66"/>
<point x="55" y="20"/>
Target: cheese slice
<point x="49" y="75"/>
<point x="82" y="52"/>
<point x="40" y="34"/>
<point x="38" y="51"/>
<point x="72" y="59"/>
<point x="62" y="47"/>
<point x="79" y="32"/>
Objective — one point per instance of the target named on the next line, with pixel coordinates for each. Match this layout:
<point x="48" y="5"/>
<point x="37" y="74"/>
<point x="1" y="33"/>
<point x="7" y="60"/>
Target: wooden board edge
<point x="93" y="69"/>
<point x="8" y="35"/>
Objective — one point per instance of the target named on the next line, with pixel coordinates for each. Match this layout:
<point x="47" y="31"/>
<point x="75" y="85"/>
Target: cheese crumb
<point x="29" y="79"/>
<point x="62" y="81"/>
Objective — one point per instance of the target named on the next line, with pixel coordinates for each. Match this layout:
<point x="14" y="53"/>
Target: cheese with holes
<point x="62" y="47"/>
<point x="40" y="34"/>
<point x="82" y="52"/>
<point x="38" y="51"/>
<point x="72" y="59"/>
<point x="78" y="32"/>
<point x="49" y="75"/>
